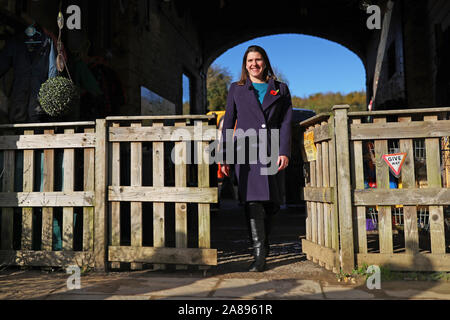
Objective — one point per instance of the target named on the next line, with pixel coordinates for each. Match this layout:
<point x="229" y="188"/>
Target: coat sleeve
<point x="229" y="120"/>
<point x="286" y="126"/>
<point x="6" y="58"/>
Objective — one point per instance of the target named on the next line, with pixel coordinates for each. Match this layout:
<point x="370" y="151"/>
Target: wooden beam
<point x="316" y="194"/>
<point x="434" y="178"/>
<point x="407" y="197"/>
<point x="184" y="256"/>
<point x="100" y="214"/>
<point x="47" y="141"/>
<point x="344" y="188"/>
<point x="161" y="134"/>
<point x="46" y="258"/>
<point x="400" y="130"/>
<point x="47" y="199"/>
<point x="69" y="185"/>
<point x="325" y="255"/>
<point x="163" y="194"/>
<point x="407" y="262"/>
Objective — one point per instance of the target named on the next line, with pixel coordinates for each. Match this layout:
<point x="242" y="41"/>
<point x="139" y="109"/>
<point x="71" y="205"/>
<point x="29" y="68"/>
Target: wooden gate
<point x="115" y="190"/>
<point x="47" y="194"/>
<point x="402" y="223"/>
<point x="156" y="162"/>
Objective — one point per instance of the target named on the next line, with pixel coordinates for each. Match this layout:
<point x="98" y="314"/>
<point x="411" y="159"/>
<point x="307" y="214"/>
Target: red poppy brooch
<point x="274" y="93"/>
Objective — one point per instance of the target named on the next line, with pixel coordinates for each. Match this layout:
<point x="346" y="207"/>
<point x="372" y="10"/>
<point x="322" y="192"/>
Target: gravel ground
<point x="229" y="236"/>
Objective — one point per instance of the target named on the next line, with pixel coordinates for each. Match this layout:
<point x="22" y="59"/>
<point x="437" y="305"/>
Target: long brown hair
<point x="268" y="72"/>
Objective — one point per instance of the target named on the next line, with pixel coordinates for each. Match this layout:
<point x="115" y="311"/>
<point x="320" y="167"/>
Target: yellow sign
<point x="310" y="147"/>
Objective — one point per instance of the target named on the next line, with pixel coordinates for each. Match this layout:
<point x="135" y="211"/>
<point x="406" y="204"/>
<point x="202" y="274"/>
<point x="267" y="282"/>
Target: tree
<point x="324" y="102"/>
<point x="218" y="82"/>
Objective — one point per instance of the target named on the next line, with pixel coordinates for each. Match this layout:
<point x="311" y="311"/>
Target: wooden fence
<point x="38" y="202"/>
<point x="401" y="223"/>
<point x="178" y="133"/>
<point x="82" y="193"/>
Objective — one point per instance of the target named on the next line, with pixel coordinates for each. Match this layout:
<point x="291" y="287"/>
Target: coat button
<point x="263" y="126"/>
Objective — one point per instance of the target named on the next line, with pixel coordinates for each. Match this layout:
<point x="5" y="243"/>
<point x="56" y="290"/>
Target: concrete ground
<point x="289" y="276"/>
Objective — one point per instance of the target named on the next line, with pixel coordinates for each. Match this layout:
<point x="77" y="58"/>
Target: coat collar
<point x="269" y="98"/>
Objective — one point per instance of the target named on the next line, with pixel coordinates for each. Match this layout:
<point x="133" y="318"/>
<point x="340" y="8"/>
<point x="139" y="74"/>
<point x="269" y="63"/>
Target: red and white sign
<point x="395" y="162"/>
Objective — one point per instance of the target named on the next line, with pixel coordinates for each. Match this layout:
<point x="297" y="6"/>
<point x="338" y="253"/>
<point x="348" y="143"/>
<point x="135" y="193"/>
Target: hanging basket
<point x="58" y="96"/>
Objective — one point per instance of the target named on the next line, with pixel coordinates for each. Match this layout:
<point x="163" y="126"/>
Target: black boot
<point x="258" y="233"/>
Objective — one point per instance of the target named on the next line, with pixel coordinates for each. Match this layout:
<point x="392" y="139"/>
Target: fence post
<point x="101" y="174"/>
<point x="344" y="188"/>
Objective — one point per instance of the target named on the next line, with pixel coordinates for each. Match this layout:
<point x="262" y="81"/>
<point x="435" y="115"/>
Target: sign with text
<point x="395" y="162"/>
<point x="310" y="147"/>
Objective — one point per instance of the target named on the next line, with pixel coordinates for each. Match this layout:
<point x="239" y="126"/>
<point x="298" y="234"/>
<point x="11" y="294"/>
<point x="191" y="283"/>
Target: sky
<point x="309" y="64"/>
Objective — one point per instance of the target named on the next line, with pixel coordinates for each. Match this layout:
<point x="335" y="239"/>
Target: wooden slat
<point x="400" y="130"/>
<point x="319" y="178"/>
<point x="344" y="186"/>
<point x="115" y="206"/>
<point x="100" y="216"/>
<point x="408" y="182"/>
<point x="408" y="197"/>
<point x="181" y="230"/>
<point x="161" y="118"/>
<point x="49" y="180"/>
<point x="207" y="257"/>
<point x="28" y="183"/>
<point x="325" y="255"/>
<point x="326" y="184"/>
<point x="317" y="194"/>
<point x="407" y="262"/>
<point x="31" y="126"/>
<point x="333" y="184"/>
<point x="45" y="258"/>
<point x="47" y="141"/>
<point x="7" y="213"/>
<point x="433" y="156"/>
<point x="136" y="207"/>
<point x="159" y="238"/>
<point x="405" y="111"/>
<point x="162" y="134"/>
<point x="47" y="199"/>
<point x="69" y="185"/>
<point x="322" y="133"/>
<point x="163" y="194"/>
<point x="384" y="212"/>
<point x="313" y="205"/>
<point x="89" y="185"/>
<point x="359" y="212"/>
<point x="204" y="223"/>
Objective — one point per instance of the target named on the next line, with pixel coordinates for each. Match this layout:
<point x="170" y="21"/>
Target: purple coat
<point x="274" y="113"/>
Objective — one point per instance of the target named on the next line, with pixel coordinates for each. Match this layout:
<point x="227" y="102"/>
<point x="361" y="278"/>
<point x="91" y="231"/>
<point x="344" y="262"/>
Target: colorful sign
<point x="310" y="147"/>
<point x="395" y="162"/>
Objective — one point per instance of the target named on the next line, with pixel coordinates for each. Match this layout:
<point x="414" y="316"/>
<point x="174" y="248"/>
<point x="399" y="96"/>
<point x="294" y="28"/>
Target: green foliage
<point x="58" y="96"/>
<point x="324" y="102"/>
<point x="218" y="82"/>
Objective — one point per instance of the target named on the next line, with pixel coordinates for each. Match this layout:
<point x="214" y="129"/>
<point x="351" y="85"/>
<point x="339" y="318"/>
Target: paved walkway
<point x="147" y="285"/>
<point x="290" y="276"/>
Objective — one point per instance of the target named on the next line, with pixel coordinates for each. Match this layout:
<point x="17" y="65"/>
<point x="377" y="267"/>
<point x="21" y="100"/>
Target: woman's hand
<point x="282" y="163"/>
<point x="225" y="168"/>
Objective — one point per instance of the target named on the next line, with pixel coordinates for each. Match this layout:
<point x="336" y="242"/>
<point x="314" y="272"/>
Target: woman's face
<point x="255" y="65"/>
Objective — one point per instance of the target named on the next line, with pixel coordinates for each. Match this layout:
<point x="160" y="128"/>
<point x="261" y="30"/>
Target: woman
<point x="258" y="103"/>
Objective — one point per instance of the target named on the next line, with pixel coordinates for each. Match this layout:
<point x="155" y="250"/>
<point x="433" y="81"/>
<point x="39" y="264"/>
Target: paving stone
<point x="169" y="287"/>
<point x="344" y="293"/>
